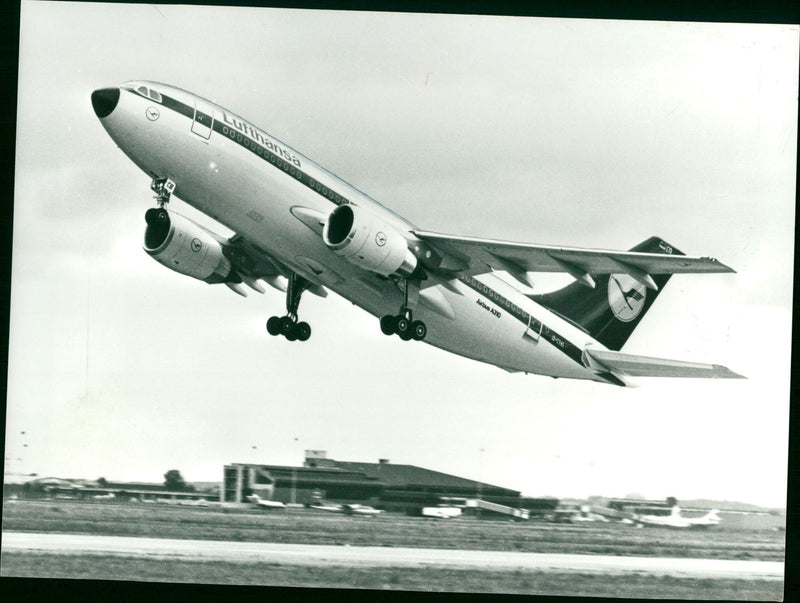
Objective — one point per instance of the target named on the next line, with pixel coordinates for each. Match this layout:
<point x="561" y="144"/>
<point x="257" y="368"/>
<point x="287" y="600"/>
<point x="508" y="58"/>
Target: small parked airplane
<point x="676" y="520"/>
<point x="347" y="509"/>
<point x="357" y="509"/>
<point x="300" y="228"/>
<point x="265" y="504"/>
<point x="441" y="512"/>
<point x="325" y="506"/>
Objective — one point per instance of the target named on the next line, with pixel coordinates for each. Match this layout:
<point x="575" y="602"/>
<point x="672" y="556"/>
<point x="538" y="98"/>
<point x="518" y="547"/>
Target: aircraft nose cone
<point x="104" y="100"/>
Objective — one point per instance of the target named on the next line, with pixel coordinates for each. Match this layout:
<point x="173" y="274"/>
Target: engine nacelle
<point x="367" y="241"/>
<point x="185" y="246"/>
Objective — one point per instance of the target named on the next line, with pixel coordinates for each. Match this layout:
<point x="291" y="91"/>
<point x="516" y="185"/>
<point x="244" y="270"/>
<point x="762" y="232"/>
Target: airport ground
<point x="756" y="538"/>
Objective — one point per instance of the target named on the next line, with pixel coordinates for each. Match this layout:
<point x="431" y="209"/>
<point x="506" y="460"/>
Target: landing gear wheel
<point x="274" y="325"/>
<point x="387" y="324"/>
<point x="402" y="325"/>
<point x="287" y="325"/>
<point x="303" y="331"/>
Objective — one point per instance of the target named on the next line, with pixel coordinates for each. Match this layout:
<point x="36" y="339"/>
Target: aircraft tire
<point x="274" y="325"/>
<point x="418" y="330"/>
<point x="303" y="331"/>
<point x="387" y="324"/>
<point x="405" y="335"/>
<point x="287" y="325"/>
<point x="402" y="326"/>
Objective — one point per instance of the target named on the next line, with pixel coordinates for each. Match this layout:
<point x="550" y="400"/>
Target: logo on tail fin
<point x="625" y="296"/>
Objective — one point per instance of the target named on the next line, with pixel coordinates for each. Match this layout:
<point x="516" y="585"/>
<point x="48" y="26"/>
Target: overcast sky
<point x="573" y="132"/>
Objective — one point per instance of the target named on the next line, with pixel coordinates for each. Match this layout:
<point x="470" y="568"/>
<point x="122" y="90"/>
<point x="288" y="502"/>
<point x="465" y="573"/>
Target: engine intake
<point x="185" y="246"/>
<point x="366" y="240"/>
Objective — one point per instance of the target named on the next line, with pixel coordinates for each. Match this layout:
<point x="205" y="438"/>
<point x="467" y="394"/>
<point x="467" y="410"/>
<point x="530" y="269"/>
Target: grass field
<point x="300" y="526"/>
<point x="422" y="579"/>
<point x="761" y="540"/>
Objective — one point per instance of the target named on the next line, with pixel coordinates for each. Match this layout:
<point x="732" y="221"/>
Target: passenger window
<point x="155" y="96"/>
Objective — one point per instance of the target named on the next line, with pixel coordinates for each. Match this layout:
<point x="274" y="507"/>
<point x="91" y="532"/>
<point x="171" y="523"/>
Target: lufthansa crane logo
<point x="152" y="113"/>
<point x="197" y="245"/>
<point x="380" y="239"/>
<point x="626" y="296"/>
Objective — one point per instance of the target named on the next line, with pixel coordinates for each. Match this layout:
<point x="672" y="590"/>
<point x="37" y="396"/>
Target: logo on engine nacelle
<point x="197" y="245"/>
<point x="380" y="239"/>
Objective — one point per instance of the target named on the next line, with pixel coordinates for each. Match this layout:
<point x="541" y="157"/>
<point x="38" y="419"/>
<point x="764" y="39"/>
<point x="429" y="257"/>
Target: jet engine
<point x="185" y="246"/>
<point x="367" y="241"/>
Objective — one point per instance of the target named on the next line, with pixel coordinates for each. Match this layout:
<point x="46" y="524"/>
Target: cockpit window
<point x="148" y="93"/>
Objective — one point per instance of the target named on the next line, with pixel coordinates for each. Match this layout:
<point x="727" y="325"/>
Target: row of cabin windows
<point x="287" y="167"/>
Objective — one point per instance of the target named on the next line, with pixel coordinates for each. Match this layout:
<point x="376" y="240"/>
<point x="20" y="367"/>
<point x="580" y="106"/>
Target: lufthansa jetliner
<point x="300" y="228"/>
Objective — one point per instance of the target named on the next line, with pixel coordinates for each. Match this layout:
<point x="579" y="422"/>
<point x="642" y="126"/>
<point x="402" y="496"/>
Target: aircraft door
<point x="534" y="329"/>
<point x="203" y="121"/>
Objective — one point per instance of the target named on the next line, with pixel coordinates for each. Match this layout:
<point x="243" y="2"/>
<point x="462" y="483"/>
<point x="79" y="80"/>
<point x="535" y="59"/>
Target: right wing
<point x="252" y="263"/>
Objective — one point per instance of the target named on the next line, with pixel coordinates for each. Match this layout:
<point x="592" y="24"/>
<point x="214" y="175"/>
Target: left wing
<point x="469" y="255"/>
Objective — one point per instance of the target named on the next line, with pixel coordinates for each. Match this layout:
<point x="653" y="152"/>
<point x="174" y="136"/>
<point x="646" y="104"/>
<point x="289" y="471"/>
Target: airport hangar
<point x="383" y="485"/>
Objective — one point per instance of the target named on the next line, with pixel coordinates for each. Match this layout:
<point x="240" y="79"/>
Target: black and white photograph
<point x="410" y="302"/>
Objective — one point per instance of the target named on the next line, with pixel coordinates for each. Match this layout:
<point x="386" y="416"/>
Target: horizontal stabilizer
<point x="645" y="366"/>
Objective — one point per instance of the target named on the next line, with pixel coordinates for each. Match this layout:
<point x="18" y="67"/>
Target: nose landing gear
<point x="288" y="326"/>
<point x="163" y="188"/>
<point x="403" y="324"/>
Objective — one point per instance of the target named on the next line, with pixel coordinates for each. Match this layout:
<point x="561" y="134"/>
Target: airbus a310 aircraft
<point x="300" y="228"/>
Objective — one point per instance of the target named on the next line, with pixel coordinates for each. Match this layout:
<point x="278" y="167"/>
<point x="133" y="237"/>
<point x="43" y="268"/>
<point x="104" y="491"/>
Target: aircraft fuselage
<point x="264" y="190"/>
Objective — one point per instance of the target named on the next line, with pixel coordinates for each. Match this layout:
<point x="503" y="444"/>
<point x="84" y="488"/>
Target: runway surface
<point x="362" y="556"/>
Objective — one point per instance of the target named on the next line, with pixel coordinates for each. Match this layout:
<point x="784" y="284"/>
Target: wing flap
<point x="249" y="259"/>
<point x="646" y="366"/>
<point x="525" y="257"/>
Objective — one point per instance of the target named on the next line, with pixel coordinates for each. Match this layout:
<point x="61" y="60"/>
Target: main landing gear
<point x="288" y="325"/>
<point x="403" y="324"/>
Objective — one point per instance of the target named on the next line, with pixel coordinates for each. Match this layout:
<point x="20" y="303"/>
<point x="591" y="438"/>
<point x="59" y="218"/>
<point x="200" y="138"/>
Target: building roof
<point x="411" y="476"/>
<point x="321" y="475"/>
<point x="385" y="474"/>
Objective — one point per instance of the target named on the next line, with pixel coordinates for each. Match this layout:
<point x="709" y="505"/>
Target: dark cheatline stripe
<point x="256" y="148"/>
<point x="561" y="343"/>
<point x="177" y="106"/>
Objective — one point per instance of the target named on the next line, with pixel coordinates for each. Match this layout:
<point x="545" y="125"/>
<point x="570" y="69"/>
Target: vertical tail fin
<point x="613" y="309"/>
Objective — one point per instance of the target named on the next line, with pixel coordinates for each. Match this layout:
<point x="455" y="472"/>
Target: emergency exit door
<point x="203" y="121"/>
